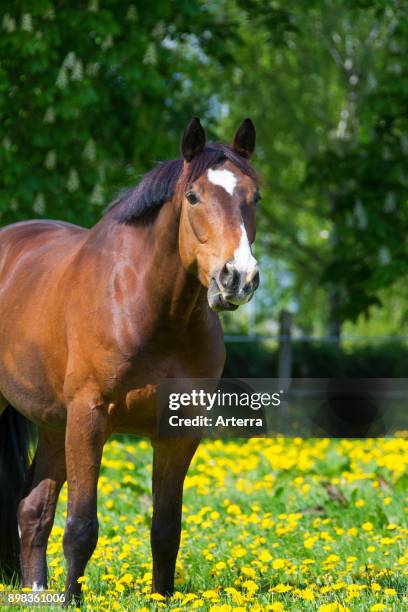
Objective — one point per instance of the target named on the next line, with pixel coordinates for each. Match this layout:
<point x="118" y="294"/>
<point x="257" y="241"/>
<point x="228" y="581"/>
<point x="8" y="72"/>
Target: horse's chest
<point x="137" y="413"/>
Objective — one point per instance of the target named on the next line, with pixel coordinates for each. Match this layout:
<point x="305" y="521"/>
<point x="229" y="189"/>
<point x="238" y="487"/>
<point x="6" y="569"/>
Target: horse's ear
<point x="244" y="139"/>
<point x="193" y="141"/>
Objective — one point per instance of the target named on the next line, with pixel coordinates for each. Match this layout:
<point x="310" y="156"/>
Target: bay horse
<point x="91" y="320"/>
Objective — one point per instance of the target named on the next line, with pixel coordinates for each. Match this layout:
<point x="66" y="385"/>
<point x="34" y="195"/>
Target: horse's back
<point x="36" y="246"/>
<point x="29" y="234"/>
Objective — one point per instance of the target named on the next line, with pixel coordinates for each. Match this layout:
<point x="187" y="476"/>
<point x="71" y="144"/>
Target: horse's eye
<point x="257" y="197"/>
<point x="192" y="197"/>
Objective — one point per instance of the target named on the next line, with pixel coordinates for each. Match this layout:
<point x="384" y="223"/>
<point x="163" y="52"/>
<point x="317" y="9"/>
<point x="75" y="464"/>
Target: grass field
<point x="267" y="525"/>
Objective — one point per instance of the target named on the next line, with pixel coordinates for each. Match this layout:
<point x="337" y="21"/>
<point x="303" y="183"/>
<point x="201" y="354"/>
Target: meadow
<point x="268" y="524"/>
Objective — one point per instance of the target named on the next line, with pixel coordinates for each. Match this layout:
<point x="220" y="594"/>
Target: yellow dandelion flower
<point x="310" y="542"/>
<point x="189" y="597"/>
<point x="250" y="586"/>
<point x="157" y="597"/>
<point x="211" y="594"/>
<point x="197" y="603"/>
<point x="264" y="556"/>
<point x="82" y="579"/>
<point x="233" y="509"/>
<point x="220" y="565"/>
<point x="248" y="571"/>
<point x="390" y="592"/>
<point x="306" y="594"/>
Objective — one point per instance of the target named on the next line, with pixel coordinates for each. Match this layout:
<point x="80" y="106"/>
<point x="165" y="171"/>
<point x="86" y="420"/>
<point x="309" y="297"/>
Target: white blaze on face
<point x="243" y="260"/>
<point x="223" y="178"/>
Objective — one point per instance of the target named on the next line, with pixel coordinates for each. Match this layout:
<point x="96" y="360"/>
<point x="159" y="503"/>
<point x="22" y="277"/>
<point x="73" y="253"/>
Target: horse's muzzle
<point x="230" y="288"/>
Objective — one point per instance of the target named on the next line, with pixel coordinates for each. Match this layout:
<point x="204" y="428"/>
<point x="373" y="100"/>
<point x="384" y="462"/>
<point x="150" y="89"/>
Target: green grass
<point x="268" y="524"/>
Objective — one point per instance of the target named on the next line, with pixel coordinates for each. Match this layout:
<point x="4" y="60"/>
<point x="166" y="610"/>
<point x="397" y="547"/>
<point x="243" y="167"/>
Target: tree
<point x="92" y="95"/>
<point x="365" y="170"/>
<point x="327" y="86"/>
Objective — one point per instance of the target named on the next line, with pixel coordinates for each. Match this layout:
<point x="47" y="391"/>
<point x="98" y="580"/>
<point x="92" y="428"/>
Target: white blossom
<point x="77" y="71"/>
<point x="150" y="56"/>
<point x="73" y="180"/>
<point x="341" y="130"/>
<point x="8" y="23"/>
<point x="390" y="202"/>
<point x="348" y="64"/>
<point x="50" y="160"/>
<point x="27" y="22"/>
<point x="384" y="256"/>
<point x="49" y="116"/>
<point x="50" y="13"/>
<point x="131" y="14"/>
<point x="69" y="60"/>
<point x="371" y="81"/>
<point x="39" y="204"/>
<point x="62" y="78"/>
<point x="89" y="152"/>
<point x="159" y="30"/>
<point x="93" y="6"/>
<point x="97" y="194"/>
<point x="107" y="42"/>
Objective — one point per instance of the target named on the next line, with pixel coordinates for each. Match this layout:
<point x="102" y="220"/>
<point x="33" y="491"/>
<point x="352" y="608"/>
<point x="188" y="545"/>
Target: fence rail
<point x="286" y="338"/>
<point x="306" y="338"/>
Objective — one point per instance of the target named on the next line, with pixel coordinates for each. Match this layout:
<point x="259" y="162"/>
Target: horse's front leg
<point x="171" y="459"/>
<point x="87" y="431"/>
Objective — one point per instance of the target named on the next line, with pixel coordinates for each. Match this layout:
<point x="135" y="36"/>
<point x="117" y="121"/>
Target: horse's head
<point x="217" y="224"/>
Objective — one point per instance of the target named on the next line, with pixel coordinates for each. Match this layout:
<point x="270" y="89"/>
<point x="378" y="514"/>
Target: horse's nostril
<point x="229" y="276"/>
<point x="255" y="280"/>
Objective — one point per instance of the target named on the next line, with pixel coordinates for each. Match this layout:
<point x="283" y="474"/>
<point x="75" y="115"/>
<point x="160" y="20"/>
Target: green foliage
<point x="327" y="84"/>
<point x="91" y="94"/>
<point x="365" y="172"/>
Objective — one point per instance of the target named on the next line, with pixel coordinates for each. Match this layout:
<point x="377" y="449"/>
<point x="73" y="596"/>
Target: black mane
<point x="158" y="185"/>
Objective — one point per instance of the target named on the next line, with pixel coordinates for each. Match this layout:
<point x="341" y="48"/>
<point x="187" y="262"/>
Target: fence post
<point x="285" y="345"/>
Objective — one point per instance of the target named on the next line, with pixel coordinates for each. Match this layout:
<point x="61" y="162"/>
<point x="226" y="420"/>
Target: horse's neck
<point x="151" y="249"/>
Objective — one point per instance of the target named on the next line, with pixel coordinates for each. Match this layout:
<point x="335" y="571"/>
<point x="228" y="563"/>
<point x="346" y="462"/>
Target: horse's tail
<point x="16" y="433"/>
